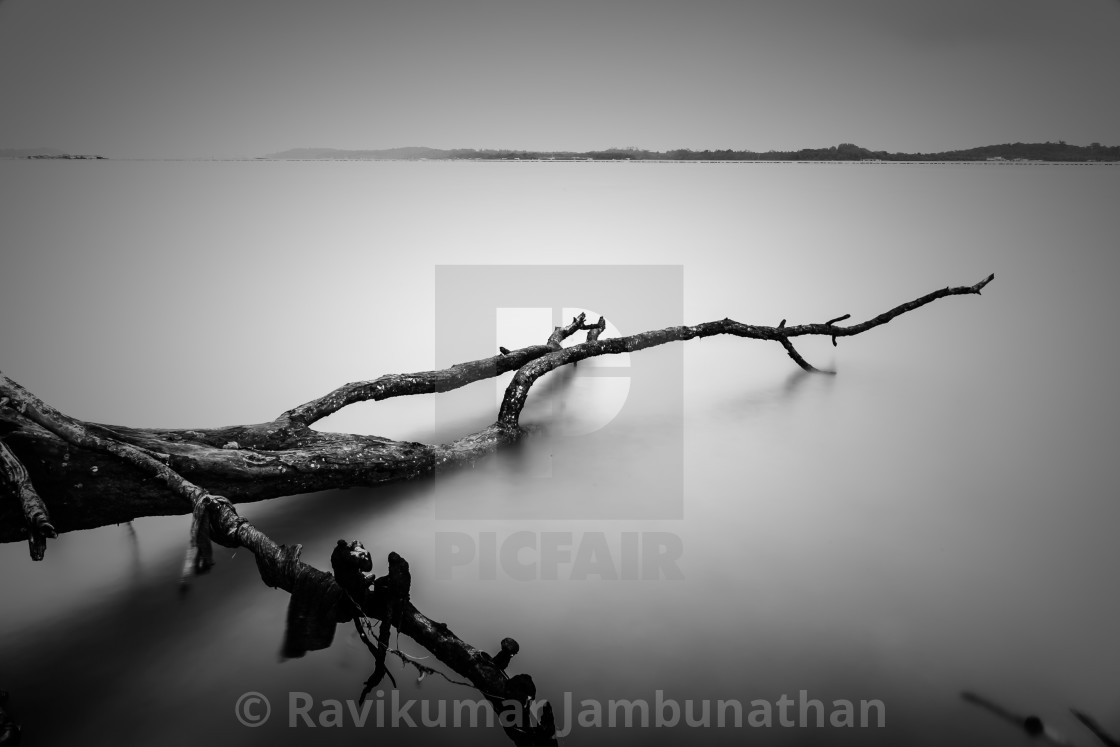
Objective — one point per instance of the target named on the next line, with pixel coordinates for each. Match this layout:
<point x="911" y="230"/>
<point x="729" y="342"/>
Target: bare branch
<point x="285" y="457"/>
<point x="425" y="382"/>
<point x="798" y="359"/>
<point x="35" y="513"/>
<point x="559" y="334"/>
<point x="518" y="389"/>
<point x="855" y="329"/>
<point x="597" y="329"/>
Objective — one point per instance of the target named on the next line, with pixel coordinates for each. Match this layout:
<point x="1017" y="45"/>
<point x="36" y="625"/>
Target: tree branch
<point x="35" y="513"/>
<point x="85" y="487"/>
<point x="855" y="329"/>
<point x="280" y="566"/>
<point x="76" y="433"/>
<point x="518" y="389"/>
<point x="426" y="382"/>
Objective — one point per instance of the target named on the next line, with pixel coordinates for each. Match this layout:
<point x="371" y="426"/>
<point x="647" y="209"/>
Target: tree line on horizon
<point x="1048" y="151"/>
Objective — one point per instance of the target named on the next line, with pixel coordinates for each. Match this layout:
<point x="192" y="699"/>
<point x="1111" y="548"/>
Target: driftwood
<point x="67" y="475"/>
<point x="94" y="475"/>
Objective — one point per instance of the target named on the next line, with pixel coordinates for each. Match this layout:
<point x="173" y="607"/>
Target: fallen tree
<point x="65" y="475"/>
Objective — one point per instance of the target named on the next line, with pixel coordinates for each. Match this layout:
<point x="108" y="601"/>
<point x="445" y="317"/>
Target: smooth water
<point x="939" y="516"/>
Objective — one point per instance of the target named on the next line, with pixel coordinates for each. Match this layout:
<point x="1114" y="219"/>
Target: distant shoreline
<point x="1049" y="152"/>
<point x="1023" y="162"/>
<point x="1006" y="153"/>
<point x="725" y="162"/>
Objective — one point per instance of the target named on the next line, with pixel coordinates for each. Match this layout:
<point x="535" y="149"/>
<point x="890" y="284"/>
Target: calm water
<point x="940" y="516"/>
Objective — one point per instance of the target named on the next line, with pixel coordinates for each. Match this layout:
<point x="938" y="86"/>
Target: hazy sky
<point x="209" y="78"/>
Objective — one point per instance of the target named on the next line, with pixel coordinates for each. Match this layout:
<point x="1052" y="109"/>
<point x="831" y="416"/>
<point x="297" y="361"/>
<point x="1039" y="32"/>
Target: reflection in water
<point x="754" y="402"/>
<point x="384" y="630"/>
<point x="134" y="544"/>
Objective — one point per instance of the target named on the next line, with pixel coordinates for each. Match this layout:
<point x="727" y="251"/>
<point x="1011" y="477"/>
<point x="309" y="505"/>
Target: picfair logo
<point x="606" y="433"/>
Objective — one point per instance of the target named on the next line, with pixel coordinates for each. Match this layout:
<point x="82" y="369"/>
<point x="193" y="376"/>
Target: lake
<point x="940" y="516"/>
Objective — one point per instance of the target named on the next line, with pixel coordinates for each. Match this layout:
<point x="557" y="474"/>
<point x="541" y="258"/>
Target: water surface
<point x="939" y="516"/>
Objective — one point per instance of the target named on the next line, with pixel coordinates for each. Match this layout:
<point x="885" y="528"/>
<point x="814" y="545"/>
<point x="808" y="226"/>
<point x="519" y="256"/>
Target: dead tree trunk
<point x="65" y="475"/>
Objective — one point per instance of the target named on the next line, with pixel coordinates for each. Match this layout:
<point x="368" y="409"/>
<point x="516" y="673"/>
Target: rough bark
<point x="35" y="514"/>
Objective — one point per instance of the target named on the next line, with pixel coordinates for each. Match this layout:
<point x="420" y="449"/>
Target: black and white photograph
<point x="491" y="372"/>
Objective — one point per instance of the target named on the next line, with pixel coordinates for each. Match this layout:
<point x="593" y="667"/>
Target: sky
<point x="210" y="78"/>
